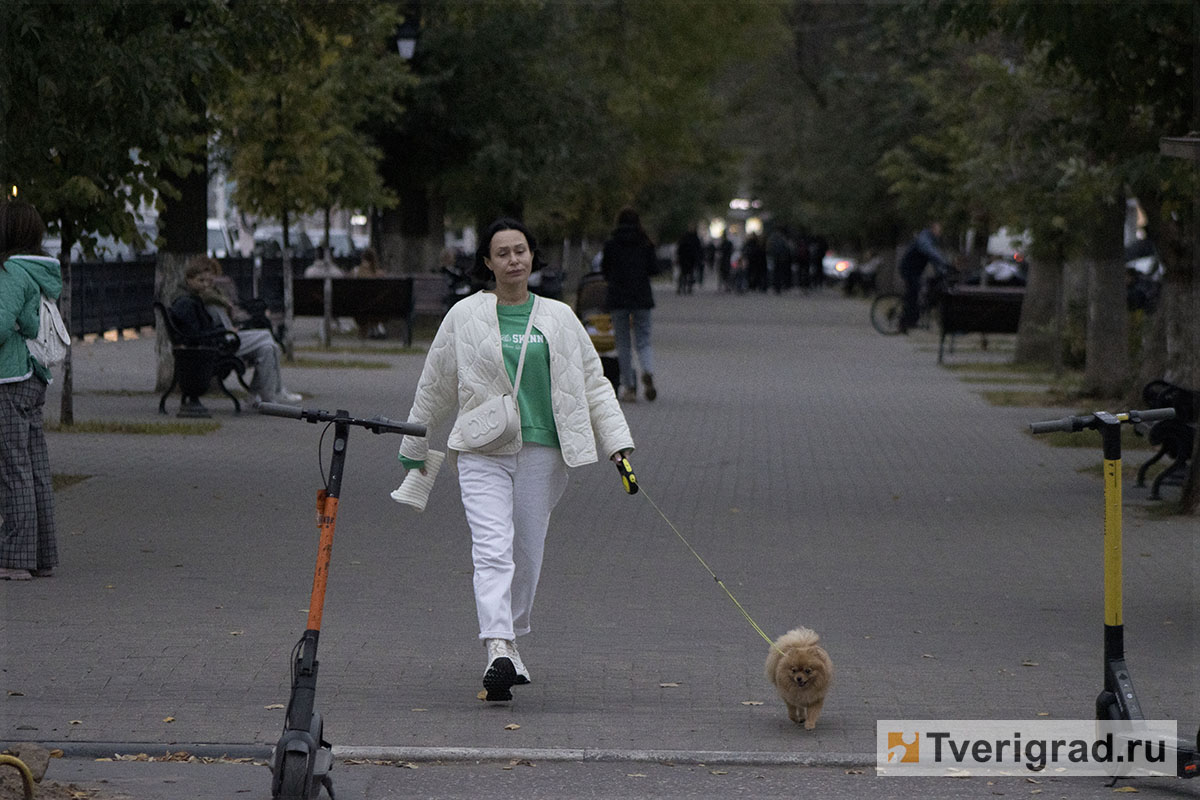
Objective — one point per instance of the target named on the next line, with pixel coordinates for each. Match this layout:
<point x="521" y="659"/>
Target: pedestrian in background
<point x="568" y="415"/>
<point x="28" y="544"/>
<point x="689" y="255"/>
<point x="629" y="261"/>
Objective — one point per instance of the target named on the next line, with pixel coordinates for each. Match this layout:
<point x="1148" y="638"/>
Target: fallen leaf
<point x="168" y="719"/>
<point x="926" y="655"/>
<point x="420" y="709"/>
<point x="635" y="775"/>
<point x="718" y="772"/>
<point x="854" y="772"/>
<point x="512" y="726"/>
<point x="752" y="702"/>
<point x="482" y="694"/>
<point x="1126" y="790"/>
<point x="236" y="633"/>
<point x="1043" y="713"/>
<point x="670" y="685"/>
<point x="16" y="694"/>
<point x="56" y="753"/>
<point x="274" y="707"/>
<point x="76" y="722"/>
<point x="1028" y="663"/>
<point x="520" y="762"/>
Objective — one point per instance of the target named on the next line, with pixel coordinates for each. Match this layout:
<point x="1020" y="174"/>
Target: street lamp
<point x="406" y="38"/>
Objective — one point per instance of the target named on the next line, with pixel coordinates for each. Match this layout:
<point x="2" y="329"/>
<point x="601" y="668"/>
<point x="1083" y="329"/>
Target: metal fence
<point x="115" y="295"/>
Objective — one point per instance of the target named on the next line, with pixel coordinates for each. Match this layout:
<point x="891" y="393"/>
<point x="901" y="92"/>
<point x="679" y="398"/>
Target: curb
<point x="262" y="752"/>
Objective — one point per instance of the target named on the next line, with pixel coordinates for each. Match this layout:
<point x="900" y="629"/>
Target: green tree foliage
<point x="292" y="119"/>
<point x="85" y="138"/>
<point x="563" y="112"/>
<point x="93" y="98"/>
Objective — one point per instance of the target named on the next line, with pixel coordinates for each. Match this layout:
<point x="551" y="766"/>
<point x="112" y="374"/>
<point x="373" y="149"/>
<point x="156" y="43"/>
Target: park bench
<point x="197" y="362"/>
<point x="386" y="298"/>
<point x="979" y="309"/>
<point x="1175" y="438"/>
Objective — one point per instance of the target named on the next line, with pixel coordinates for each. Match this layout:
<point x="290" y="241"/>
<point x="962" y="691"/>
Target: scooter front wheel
<point x="886" y="311"/>
<point x="294" y="780"/>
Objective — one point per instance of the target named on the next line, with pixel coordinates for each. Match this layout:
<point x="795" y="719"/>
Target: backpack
<point x="50" y="345"/>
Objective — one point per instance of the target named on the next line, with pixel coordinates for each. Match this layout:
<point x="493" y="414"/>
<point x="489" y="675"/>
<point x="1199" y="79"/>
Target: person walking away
<point x="923" y="250"/>
<point x="628" y="263"/>
<point x="689" y="255"/>
<point x="755" y="255"/>
<point x="28" y="541"/>
<point x="568" y="415"/>
<point x="779" y="252"/>
<point x="724" y="263"/>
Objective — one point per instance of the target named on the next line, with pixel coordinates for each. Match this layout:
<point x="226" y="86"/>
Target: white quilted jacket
<point x="465" y="367"/>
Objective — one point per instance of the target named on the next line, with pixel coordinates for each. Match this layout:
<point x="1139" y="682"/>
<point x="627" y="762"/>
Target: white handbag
<point x="497" y="421"/>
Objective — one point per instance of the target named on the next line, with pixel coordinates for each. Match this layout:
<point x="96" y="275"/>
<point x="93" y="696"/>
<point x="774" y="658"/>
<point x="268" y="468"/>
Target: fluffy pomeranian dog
<point x="802" y="673"/>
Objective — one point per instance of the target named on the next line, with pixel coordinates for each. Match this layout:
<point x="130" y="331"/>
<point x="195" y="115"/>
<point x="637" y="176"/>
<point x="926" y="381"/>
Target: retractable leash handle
<point x="627" y="477"/>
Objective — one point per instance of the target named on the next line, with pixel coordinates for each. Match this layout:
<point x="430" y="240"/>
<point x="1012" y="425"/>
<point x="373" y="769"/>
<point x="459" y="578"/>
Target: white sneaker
<point x="288" y="397"/>
<point x="522" y="673"/>
<point x="501" y="673"/>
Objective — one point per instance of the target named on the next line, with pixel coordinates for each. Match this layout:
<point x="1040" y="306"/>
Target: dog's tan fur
<point x="802" y="673"/>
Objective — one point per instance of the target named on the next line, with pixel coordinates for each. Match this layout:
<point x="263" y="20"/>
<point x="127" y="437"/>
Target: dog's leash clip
<point x="627" y="476"/>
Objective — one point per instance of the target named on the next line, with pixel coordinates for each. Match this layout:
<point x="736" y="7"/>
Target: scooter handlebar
<point x="280" y="410"/>
<point x="375" y="424"/>
<point x="1073" y="424"/>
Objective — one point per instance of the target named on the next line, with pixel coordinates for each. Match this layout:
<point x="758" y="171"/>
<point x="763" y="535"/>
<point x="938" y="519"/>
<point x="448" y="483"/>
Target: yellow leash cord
<point x="632" y="487"/>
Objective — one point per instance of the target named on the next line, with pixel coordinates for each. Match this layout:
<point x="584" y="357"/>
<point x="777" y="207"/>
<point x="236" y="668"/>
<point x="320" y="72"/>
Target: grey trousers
<point x="27" y="536"/>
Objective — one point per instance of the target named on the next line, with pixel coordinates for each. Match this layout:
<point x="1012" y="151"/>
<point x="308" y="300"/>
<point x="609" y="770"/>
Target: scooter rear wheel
<point x="886" y="312"/>
<point x="294" y="781"/>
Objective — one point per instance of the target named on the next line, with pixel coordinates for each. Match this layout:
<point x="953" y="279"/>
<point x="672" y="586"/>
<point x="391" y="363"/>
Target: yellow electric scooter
<point x="1118" y="701"/>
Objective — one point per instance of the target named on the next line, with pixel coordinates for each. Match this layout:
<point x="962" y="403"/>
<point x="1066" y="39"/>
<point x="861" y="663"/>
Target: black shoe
<point x="501" y="674"/>
<point x="499" y="679"/>
<point x="648" y="385"/>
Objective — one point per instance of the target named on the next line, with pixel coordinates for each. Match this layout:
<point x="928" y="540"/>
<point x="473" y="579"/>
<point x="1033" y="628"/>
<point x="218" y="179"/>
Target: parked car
<point x="268" y="242"/>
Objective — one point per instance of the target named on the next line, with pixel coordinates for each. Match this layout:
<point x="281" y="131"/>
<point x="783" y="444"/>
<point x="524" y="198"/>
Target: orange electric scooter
<point x="303" y="758"/>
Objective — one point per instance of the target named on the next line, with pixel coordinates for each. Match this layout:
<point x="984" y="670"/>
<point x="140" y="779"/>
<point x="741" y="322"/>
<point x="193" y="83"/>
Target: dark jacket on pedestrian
<point x="628" y="263"/>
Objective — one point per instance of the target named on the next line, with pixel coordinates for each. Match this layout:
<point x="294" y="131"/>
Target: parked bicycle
<point x="887" y="309"/>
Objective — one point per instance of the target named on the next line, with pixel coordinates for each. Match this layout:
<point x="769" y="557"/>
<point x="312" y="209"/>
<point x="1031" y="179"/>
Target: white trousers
<point x="508" y="500"/>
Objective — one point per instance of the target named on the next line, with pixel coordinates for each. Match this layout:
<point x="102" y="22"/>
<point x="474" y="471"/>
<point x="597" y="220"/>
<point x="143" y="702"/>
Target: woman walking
<point x="489" y="343"/>
<point x="28" y="547"/>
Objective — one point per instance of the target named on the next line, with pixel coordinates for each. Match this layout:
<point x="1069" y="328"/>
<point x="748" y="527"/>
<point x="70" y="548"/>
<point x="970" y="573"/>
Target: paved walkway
<point x="830" y="476"/>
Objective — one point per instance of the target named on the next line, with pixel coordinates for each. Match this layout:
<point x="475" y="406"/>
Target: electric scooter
<point x="1118" y="701"/>
<point x="303" y="759"/>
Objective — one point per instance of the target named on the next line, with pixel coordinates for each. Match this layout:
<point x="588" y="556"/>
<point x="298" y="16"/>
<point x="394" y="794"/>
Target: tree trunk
<point x="1039" y="333"/>
<point x="183" y="225"/>
<point x="66" y="408"/>
<point x="411" y="235"/>
<point x="289" y="305"/>
<point x="1107" y="365"/>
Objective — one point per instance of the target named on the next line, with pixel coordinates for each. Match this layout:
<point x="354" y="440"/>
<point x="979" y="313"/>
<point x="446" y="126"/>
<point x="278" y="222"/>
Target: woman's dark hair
<point x="21" y="229"/>
<point x="485" y="245"/>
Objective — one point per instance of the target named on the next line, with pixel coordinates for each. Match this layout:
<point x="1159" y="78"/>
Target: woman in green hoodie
<point x="28" y="547"/>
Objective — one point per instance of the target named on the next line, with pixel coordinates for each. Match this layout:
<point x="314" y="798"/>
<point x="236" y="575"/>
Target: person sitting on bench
<point x="195" y="315"/>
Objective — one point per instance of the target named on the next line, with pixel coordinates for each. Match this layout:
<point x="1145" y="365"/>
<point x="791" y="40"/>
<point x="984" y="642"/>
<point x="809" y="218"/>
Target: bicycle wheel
<point x="886" y="311"/>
